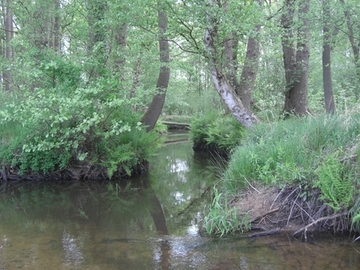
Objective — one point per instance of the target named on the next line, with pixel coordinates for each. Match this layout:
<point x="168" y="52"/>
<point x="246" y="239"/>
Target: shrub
<point x="91" y="125"/>
<point x="217" y="131"/>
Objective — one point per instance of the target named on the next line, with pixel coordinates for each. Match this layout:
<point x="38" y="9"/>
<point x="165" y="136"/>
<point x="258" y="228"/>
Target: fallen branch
<point x="357" y="238"/>
<point x="252" y="186"/>
<point x="302" y="209"/>
<point x="352" y="157"/>
<point x="291" y="210"/>
<point x="304" y="229"/>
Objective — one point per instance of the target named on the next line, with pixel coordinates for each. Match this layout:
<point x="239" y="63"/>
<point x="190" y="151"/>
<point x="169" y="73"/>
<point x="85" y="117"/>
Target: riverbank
<point x="273" y="210"/>
<point x="79" y="172"/>
<point x="298" y="175"/>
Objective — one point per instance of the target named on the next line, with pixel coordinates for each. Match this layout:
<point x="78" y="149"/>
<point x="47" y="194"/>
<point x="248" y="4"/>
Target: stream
<point x="154" y="223"/>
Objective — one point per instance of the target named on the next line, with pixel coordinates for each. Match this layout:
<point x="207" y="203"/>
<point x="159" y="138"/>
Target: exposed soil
<point x="290" y="209"/>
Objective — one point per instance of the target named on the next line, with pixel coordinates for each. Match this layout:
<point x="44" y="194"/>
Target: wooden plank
<point x="169" y="123"/>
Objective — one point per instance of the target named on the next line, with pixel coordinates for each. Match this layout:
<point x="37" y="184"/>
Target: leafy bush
<point x="217" y="131"/>
<point x="355" y="214"/>
<point x="93" y="124"/>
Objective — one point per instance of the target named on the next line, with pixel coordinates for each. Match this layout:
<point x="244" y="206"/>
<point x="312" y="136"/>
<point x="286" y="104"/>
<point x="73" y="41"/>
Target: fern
<point x="334" y="181"/>
<point x="220" y="131"/>
<point x="121" y="156"/>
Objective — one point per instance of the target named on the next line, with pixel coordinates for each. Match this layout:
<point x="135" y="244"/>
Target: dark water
<point x="152" y="224"/>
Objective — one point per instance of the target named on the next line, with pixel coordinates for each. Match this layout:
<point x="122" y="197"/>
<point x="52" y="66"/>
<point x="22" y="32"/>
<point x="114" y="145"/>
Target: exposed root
<point x="305" y="228"/>
<point x="292" y="209"/>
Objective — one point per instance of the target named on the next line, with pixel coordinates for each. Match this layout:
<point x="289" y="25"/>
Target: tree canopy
<point x="75" y="74"/>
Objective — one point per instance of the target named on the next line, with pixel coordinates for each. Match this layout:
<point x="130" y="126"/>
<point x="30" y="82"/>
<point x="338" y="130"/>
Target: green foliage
<point x="221" y="219"/>
<point x="335" y="181"/>
<point x="43" y="161"/>
<point x="92" y="124"/>
<point x="305" y="152"/>
<point x="276" y="169"/>
<point x="219" y="131"/>
<point x="130" y="149"/>
<point x="288" y="151"/>
<point x="121" y="155"/>
<point x="355" y="214"/>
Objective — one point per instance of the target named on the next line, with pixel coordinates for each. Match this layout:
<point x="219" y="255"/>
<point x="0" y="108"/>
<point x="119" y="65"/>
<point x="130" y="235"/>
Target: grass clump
<point x="222" y="219"/>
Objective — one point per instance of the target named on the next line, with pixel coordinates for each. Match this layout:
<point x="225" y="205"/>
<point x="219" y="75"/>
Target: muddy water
<point x="152" y="224"/>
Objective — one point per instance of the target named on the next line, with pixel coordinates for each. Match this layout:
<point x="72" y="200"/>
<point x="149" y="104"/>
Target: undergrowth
<point x="314" y="152"/>
<point x="216" y="132"/>
<point x="88" y="125"/>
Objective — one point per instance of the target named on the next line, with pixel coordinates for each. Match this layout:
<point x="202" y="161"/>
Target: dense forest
<point x="85" y="83"/>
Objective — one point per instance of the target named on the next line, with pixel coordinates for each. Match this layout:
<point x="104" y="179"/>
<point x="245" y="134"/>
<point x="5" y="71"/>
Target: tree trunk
<point x="222" y="85"/>
<point x="56" y="27"/>
<point x="9" y="34"/>
<point x="96" y="43"/>
<point x="296" y="69"/>
<point x="326" y="60"/>
<point x="245" y="87"/>
<point x="119" y="49"/>
<point x="288" y="47"/>
<point x="249" y="71"/>
<point x="355" y="45"/>
<point x="151" y="116"/>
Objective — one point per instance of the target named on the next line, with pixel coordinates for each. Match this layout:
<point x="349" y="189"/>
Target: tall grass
<point x="291" y="150"/>
<point x="316" y="152"/>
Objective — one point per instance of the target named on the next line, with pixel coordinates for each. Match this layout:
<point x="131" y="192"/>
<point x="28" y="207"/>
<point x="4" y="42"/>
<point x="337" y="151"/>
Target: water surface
<point x="152" y="224"/>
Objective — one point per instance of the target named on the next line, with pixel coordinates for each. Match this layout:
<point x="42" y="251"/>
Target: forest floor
<point x="272" y="210"/>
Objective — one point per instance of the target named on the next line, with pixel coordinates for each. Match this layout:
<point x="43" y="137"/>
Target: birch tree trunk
<point x="224" y="88"/>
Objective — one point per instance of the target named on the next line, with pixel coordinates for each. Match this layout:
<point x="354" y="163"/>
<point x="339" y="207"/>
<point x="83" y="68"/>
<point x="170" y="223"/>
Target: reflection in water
<point x="158" y="216"/>
<point x="73" y="254"/>
<point x="156" y="210"/>
<point x="153" y="224"/>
